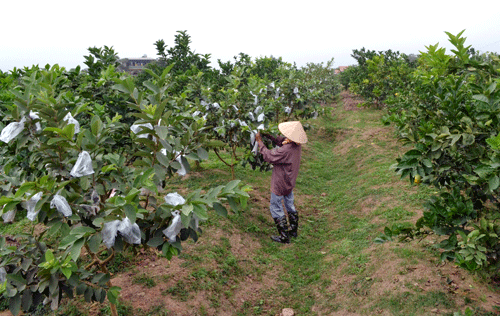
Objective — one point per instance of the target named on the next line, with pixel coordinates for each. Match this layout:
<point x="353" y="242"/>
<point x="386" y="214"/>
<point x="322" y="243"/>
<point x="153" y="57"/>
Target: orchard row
<point x="89" y="155"/>
<point x="447" y="108"/>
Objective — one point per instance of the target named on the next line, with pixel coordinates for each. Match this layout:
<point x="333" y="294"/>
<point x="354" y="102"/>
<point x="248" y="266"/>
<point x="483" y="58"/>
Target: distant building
<point x="135" y="65"/>
<point x="340" y="69"/>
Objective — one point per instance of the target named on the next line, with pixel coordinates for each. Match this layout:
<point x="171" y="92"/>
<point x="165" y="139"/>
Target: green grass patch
<point x="413" y="304"/>
<point x="144" y="280"/>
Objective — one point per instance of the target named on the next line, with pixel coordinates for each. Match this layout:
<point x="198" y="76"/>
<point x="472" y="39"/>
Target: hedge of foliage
<point x="447" y="107"/>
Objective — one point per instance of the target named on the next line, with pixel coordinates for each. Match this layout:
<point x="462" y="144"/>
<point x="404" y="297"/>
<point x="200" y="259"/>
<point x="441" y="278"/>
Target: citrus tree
<point x="451" y="117"/>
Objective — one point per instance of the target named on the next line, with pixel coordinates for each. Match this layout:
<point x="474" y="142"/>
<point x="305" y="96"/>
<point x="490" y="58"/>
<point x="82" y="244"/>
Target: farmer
<point x="286" y="162"/>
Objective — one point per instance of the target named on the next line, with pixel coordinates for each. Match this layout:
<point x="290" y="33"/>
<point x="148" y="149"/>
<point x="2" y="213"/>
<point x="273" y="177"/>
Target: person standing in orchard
<point x="286" y="162"/>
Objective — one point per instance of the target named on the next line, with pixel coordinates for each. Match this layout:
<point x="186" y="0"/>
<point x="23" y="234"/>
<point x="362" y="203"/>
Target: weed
<point x="398" y="213"/>
<point x="200" y="274"/>
<point x="362" y="286"/>
<point x="121" y="308"/>
<point x="158" y="310"/>
<point x="179" y="290"/>
<point x="145" y="280"/>
<point x="119" y="263"/>
<point x="408" y="303"/>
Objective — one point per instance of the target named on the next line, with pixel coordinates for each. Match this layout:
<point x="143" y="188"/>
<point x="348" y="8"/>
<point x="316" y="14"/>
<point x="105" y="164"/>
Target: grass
<point x="346" y="194"/>
<point x="145" y="280"/>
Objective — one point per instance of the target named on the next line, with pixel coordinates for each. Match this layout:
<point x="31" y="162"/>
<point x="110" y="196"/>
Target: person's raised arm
<point x="277" y="140"/>
<point x="275" y="156"/>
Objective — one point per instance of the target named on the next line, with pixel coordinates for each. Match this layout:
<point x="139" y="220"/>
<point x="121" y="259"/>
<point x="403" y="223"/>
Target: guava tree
<point x="90" y="195"/>
<point x="235" y="112"/>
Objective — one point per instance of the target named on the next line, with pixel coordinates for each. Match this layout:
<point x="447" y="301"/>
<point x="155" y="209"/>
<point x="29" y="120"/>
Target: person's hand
<point x="258" y="138"/>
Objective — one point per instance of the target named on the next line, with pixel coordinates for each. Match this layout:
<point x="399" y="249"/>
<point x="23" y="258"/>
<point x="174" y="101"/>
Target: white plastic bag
<point x="95" y="197"/>
<point x="175" y="227"/>
<point x="8" y="217"/>
<point x="253" y="133"/>
<point x="34" y="116"/>
<point x="182" y="171"/>
<point x="3" y="275"/>
<point x="30" y="206"/>
<point x="12" y="130"/>
<point x="90" y="210"/>
<point x="252" y="117"/>
<point x="83" y="165"/>
<point x="59" y="202"/>
<point x="205" y="104"/>
<point x="130" y="232"/>
<point x="255" y="98"/>
<point x="195" y="222"/>
<point x="255" y="145"/>
<point x="174" y="199"/>
<point x="136" y="128"/>
<point x="71" y="120"/>
<point x="109" y="232"/>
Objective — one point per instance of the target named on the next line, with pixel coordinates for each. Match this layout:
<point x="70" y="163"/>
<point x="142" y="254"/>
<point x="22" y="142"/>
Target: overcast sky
<point x="61" y="31"/>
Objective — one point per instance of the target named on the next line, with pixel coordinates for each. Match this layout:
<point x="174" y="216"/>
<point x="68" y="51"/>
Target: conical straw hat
<point x="293" y="131"/>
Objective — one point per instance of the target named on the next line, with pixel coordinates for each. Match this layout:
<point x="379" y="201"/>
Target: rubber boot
<point x="294" y="224"/>
<point x="282" y="227"/>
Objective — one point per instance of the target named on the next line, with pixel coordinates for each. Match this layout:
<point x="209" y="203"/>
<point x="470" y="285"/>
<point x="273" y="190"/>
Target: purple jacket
<point x="286" y="163"/>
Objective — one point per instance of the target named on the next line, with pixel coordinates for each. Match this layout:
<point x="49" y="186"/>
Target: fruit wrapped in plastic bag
<point x="12" y="130"/>
<point x="131" y="233"/>
<point x="71" y="120"/>
<point x="8" y="217"/>
<point x="59" y="202"/>
<point x="255" y="145"/>
<point x="183" y="170"/>
<point x="83" y="165"/>
<point x="175" y="227"/>
<point x="136" y="128"/>
<point x="3" y="275"/>
<point x="30" y="206"/>
<point x="174" y="199"/>
<point x="195" y="222"/>
<point x="255" y="98"/>
<point x="109" y="232"/>
<point x="34" y="116"/>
